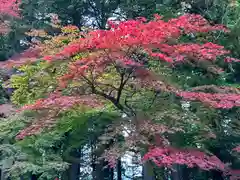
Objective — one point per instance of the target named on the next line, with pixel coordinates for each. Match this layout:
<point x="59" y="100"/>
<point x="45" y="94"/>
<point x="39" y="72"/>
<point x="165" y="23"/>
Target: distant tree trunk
<point x="119" y="170"/>
<point x="101" y="168"/>
<point x="177" y="173"/>
<point x="166" y="174"/>
<point x="111" y="174"/>
<point x="107" y="172"/>
<point x="186" y="173"/>
<point x="77" y="20"/>
<point x="34" y="177"/>
<point x="1" y="178"/>
<point x="102" y="171"/>
<point x="148" y="172"/>
<point x="74" y="169"/>
<point x="216" y="175"/>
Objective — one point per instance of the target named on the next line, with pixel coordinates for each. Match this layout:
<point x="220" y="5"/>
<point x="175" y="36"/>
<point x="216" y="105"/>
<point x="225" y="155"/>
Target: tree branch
<point x="108" y="97"/>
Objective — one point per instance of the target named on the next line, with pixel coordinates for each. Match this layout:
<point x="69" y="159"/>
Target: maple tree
<point x="116" y="65"/>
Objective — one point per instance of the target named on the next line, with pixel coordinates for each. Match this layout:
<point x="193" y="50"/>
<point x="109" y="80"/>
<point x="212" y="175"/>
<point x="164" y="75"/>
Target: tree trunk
<point x="1" y="178"/>
<point x="77" y="20"/>
<point x="186" y="173"/>
<point x="74" y="171"/>
<point x="216" y="175"/>
<point x="148" y="172"/>
<point x="176" y="173"/>
<point x="111" y="174"/>
<point x="102" y="171"/>
<point x="119" y="170"/>
<point x="33" y="177"/>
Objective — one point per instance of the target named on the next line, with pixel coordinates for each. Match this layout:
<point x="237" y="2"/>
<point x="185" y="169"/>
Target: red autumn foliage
<point x="4" y="27"/>
<point x="27" y="56"/>
<point x="36" y="127"/>
<point x="56" y="103"/>
<point x="215" y="100"/>
<point x="9" y="7"/>
<point x="62" y="102"/>
<point x="237" y="149"/>
<point x="154" y="34"/>
<point x="191" y="158"/>
<point x="229" y="59"/>
<point x="233" y="174"/>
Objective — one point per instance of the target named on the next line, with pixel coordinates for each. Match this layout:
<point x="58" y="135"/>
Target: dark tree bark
<point x="217" y="175"/>
<point x="74" y="169"/>
<point x="119" y="170"/>
<point x="111" y="174"/>
<point x="186" y="173"/>
<point x="34" y="177"/>
<point x="102" y="171"/>
<point x="148" y="172"/>
<point x="177" y="173"/>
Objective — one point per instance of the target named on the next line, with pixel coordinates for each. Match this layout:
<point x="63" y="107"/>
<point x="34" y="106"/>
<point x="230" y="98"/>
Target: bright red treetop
<point x="154" y="34"/>
<point x="118" y="45"/>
